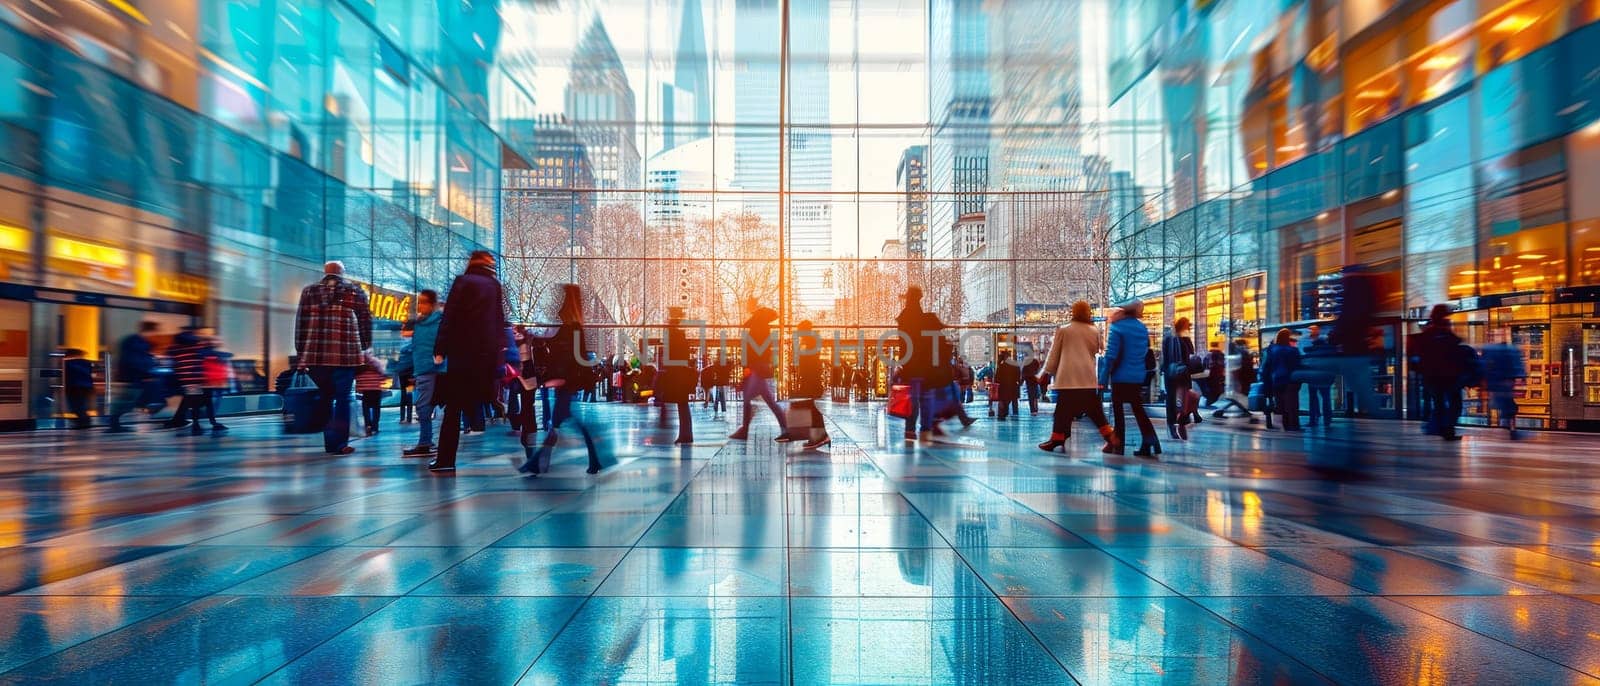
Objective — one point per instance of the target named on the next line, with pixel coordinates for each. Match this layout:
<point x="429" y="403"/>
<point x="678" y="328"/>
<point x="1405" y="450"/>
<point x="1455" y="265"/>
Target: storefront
<point x="1559" y="338"/>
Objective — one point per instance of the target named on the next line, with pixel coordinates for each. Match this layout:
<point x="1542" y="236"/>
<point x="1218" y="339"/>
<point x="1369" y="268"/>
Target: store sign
<point x="387" y="304"/>
<point x="182" y="288"/>
<point x="73" y="250"/>
<point x="15" y="239"/>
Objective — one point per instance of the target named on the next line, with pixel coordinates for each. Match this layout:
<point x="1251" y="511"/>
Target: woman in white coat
<point x="1076" y="379"/>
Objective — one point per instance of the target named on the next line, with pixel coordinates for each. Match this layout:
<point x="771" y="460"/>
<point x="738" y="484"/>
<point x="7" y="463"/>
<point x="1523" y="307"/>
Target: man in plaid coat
<point x="332" y="328"/>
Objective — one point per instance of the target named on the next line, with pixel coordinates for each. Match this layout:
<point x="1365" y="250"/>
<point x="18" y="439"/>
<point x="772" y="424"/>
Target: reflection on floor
<point x="1238" y="557"/>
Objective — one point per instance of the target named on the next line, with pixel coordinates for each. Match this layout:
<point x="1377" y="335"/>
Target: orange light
<point x="1512" y="24"/>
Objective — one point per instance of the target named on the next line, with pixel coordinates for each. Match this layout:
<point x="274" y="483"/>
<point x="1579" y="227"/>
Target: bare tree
<point x="536" y="247"/>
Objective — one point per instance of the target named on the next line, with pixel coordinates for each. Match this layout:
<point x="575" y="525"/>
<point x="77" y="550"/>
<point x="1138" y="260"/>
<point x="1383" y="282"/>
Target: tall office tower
<point x="912" y="178"/>
<point x="960" y="98"/>
<point x="600" y="105"/>
<point x="808" y="233"/>
<point x="686" y="102"/>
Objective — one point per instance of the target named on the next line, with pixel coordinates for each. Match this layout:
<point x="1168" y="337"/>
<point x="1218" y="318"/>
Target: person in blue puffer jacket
<point x="1127" y="365"/>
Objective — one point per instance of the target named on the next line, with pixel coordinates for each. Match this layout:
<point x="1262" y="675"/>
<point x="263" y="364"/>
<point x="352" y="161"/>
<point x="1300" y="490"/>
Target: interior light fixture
<point x="1531" y="256"/>
<point x="1512" y="24"/>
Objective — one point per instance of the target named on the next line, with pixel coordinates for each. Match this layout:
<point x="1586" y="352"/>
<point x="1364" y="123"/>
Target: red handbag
<point x="900" y="401"/>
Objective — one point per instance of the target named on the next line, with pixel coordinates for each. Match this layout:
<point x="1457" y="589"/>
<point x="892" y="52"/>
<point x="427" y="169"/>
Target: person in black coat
<point x="809" y="382"/>
<point x="1008" y="383"/>
<point x="1440" y="362"/>
<point x="472" y="338"/>
<point x="675" y="382"/>
<point x="759" y="345"/>
<point x="1030" y="376"/>
<point x="1176" y="349"/>
<point x="568" y="371"/>
<point x="914" y="370"/>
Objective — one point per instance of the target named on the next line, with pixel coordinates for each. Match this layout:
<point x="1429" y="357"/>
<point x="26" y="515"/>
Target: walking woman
<point x="1072" y="353"/>
<point x="1278" y="366"/>
<point x="568" y="375"/>
<point x="759" y="345"/>
<point x="1127" y="350"/>
<point x="1182" y="401"/>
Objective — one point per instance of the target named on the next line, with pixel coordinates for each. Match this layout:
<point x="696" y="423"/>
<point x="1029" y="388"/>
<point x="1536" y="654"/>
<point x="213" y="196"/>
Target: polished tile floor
<point x="1364" y="554"/>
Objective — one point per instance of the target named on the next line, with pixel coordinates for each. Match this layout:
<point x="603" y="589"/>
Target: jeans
<point x="1130" y="394"/>
<point x="1446" y="397"/>
<point x="1356" y="370"/>
<point x="335" y="384"/>
<point x="1504" y="403"/>
<point x="755" y="386"/>
<point x="933" y="399"/>
<point x="1321" y="399"/>
<point x="423" y="394"/>
<point x="561" y="411"/>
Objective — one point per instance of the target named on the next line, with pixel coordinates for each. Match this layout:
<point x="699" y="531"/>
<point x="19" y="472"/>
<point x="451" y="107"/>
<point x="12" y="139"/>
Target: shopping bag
<point x="900" y="401"/>
<point x="301" y="406"/>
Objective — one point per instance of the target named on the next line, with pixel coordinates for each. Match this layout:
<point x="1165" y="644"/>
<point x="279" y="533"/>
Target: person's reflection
<point x="910" y="539"/>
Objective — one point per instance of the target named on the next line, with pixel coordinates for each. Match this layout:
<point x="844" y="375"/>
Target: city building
<point x="911" y="176"/>
<point x="961" y="100"/>
<point x="686" y="100"/>
<point x="1442" y="147"/>
<point x="600" y="106"/>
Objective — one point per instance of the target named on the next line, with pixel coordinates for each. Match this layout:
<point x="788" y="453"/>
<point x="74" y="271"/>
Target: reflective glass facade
<point x="196" y="160"/>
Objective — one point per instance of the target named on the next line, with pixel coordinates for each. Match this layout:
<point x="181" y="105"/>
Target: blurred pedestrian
<point x="809" y="383"/>
<point x="676" y="380"/>
<point x="1072" y="365"/>
<point x="1502" y="367"/>
<point x="1035" y="387"/>
<point x="917" y="363"/>
<point x="190" y="352"/>
<point x="1355" y="339"/>
<point x="1443" y="364"/>
<point x="78" y="382"/>
<point x="1008" y="383"/>
<point x="567" y="374"/>
<point x="135" y="368"/>
<point x="371" y="380"/>
<point x="1278" y="366"/>
<point x="1318" y="376"/>
<point x="472" y="341"/>
<point x="759" y="345"/>
<point x="333" y="325"/>
<point x="1177" y="349"/>
<point x="1128" y="366"/>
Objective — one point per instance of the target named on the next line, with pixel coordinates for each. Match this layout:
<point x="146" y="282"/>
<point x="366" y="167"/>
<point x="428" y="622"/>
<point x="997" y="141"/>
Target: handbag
<point x="900" y="401"/>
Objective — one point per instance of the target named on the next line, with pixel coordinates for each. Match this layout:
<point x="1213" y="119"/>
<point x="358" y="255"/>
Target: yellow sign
<point x="387" y="304"/>
<point x="182" y="288"/>
<point x="74" y="250"/>
<point x="15" y="239"/>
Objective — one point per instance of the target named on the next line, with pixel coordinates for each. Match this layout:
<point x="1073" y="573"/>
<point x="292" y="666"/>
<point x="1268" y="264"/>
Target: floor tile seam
<point x="1400" y="600"/>
<point x="375" y="610"/>
<point x="588" y="599"/>
<point x="996" y="597"/>
<point x="184" y="601"/>
<point x="1124" y="560"/>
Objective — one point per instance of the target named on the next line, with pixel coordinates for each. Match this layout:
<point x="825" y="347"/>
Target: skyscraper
<point x="600" y="105"/>
<point x="809" y="231"/>
<point x="912" y="178"/>
<point x="686" y="102"/>
<point x="959" y="89"/>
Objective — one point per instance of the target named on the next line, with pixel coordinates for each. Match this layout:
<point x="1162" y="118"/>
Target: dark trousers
<point x="334" y="385"/>
<point x="916" y="408"/>
<point x="561" y="412"/>
<point x="1034" y="391"/>
<point x="526" y="420"/>
<point x="1129" y="394"/>
<point x="719" y="398"/>
<point x="407" y="405"/>
<point x="371" y="409"/>
<point x="1005" y="407"/>
<point x="1286" y="401"/>
<point x="1321" y="398"/>
<point x="1178" y="407"/>
<point x="455" y="414"/>
<point x="758" y="386"/>
<point x="685" y="422"/>
<point x="1074" y="403"/>
<point x="78" y="402"/>
<point x="1446" y="397"/>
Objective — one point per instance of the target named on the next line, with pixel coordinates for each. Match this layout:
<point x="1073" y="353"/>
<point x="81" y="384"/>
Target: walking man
<point x="759" y="345"/>
<point x="471" y="340"/>
<point x="136" y="364"/>
<point x="333" y="325"/>
<point x="425" y="372"/>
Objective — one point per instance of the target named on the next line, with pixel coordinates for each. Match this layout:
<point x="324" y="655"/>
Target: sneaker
<point x="818" y="443"/>
<point x="219" y="428"/>
<point x="419" y="451"/>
